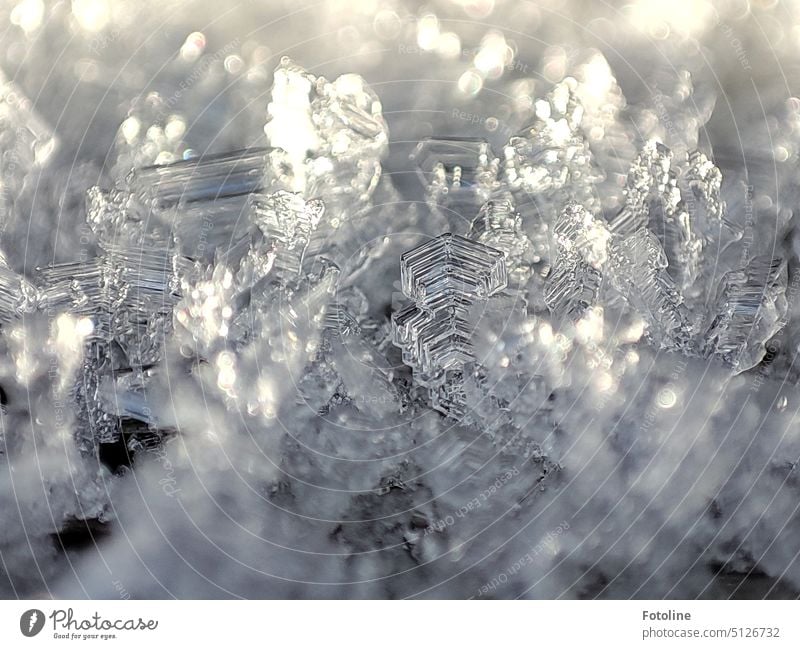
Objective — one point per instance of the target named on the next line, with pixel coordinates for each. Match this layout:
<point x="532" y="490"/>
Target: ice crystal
<point x="458" y="175"/>
<point x="444" y="277"/>
<point x="580" y="244"/>
<point x="749" y="310"/>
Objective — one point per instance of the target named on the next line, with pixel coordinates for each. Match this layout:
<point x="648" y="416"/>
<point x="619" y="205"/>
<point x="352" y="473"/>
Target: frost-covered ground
<point x="217" y="382"/>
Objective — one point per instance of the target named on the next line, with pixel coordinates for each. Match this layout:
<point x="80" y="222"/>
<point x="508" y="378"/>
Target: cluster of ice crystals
<point x="333" y="134"/>
<point x="653" y="200"/>
<point x="552" y="153"/>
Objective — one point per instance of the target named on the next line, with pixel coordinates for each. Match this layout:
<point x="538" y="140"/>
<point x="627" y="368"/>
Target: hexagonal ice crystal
<point x="449" y="267"/>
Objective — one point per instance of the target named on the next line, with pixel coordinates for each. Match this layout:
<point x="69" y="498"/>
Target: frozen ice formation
<point x="18" y="296"/>
<point x="552" y="154"/>
<point x="288" y="221"/>
<point x="444" y="277"/>
<point x="653" y="200"/>
<point x="665" y="256"/>
<point x="639" y="273"/>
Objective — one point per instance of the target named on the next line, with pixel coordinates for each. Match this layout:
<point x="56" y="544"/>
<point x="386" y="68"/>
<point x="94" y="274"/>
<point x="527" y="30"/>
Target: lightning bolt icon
<point x="32" y="621"/>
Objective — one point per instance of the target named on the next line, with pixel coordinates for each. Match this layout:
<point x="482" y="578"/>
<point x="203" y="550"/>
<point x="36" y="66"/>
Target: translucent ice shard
<point x="78" y="288"/>
<point x="638" y="272"/>
<point x="143" y="287"/>
<point x="750" y="308"/>
<point x="333" y="134"/>
<point x="498" y="225"/>
<point x="458" y="174"/>
<point x="445" y="277"/>
<point x="581" y="249"/>
<point x="95" y="424"/>
<point x="128" y="396"/>
<point x="206" y="178"/>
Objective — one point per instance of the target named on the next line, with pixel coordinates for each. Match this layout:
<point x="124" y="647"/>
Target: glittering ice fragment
<point x="450" y="266"/>
<point x="638" y="272"/>
<point x="458" y="173"/>
<point x="207" y="178"/>
<point x="750" y="308"/>
<point x="580" y="251"/>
